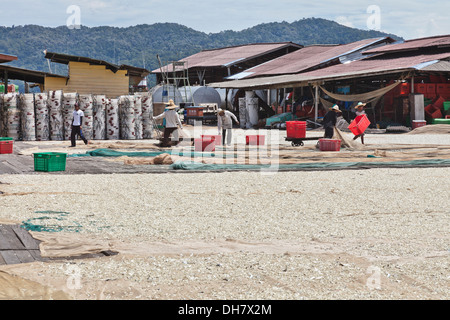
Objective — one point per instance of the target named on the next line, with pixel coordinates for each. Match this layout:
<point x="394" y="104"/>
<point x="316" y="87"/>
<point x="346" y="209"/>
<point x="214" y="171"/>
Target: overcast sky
<point x="408" y="19"/>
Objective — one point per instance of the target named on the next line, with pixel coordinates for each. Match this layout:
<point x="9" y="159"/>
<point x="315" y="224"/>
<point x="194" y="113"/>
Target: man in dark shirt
<point x="329" y="121"/>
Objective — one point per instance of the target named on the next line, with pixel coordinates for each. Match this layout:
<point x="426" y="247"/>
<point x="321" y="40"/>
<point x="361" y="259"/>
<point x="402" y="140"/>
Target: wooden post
<point x="5" y="80"/>
<point x="316" y="104"/>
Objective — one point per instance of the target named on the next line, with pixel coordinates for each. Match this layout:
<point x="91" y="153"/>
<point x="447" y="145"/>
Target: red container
<point x="441" y="88"/>
<point x="359" y="125"/>
<point x="217" y="139"/>
<point x="431" y="88"/>
<point x="296" y="129"/>
<point x="329" y="145"/>
<point x="405" y="89"/>
<point x="256" y="140"/>
<point x="205" y="145"/>
<point x="194" y="112"/>
<point x="6" y="147"/>
<point x="420" y="88"/>
<point x="436" y="114"/>
<point x="418" y="124"/>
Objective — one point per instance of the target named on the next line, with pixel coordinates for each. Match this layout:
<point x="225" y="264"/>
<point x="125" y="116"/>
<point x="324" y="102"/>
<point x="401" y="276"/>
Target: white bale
<point x="147" y="115"/>
<point x="138" y="116"/>
<point x="68" y="106"/>
<point x="127" y="118"/>
<point x="42" y="117"/>
<point x="99" y="112"/>
<point x="112" y="119"/>
<point x="86" y="105"/>
<point x="56" y="117"/>
<point x="11" y="116"/>
<point x="28" y="124"/>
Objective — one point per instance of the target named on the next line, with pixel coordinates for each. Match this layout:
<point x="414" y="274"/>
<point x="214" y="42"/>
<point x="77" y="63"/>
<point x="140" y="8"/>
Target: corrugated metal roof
<point x="7" y="58"/>
<point x="415" y="44"/>
<point x="361" y="68"/>
<point x="15" y="73"/>
<point x="308" y="58"/>
<point x="223" y="57"/>
<point x="66" y="58"/>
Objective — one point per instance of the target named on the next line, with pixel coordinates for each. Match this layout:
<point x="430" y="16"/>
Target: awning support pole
<point x="316" y="104"/>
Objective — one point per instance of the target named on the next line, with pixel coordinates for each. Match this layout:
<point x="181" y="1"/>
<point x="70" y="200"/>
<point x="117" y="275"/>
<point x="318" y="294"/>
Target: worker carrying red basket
<point x="329" y="121"/>
<point x="360" y="112"/>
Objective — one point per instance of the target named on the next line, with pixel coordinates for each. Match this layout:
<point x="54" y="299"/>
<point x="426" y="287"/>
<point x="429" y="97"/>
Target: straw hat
<point x="171" y="105"/>
<point x="336" y="107"/>
<point x="360" y="104"/>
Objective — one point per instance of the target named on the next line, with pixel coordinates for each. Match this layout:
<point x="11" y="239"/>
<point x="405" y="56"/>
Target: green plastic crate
<point x="440" y="121"/>
<point x="447" y="105"/>
<point x="6" y="139"/>
<point x="50" y="161"/>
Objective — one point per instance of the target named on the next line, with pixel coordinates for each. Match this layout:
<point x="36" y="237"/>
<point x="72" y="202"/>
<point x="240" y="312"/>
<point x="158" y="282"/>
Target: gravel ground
<point x="365" y="234"/>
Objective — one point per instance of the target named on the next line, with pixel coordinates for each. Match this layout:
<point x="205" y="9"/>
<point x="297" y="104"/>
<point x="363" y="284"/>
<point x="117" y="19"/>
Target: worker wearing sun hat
<point x="360" y="108"/>
<point x="359" y="112"/>
<point x="172" y="121"/>
<point x="329" y="121"/>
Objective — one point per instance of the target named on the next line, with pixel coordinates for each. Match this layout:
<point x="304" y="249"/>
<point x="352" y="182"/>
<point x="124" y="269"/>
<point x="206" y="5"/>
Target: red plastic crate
<point x="296" y="129"/>
<point x="431" y="88"/>
<point x="256" y="140"/>
<point x="194" y="112"/>
<point x="329" y="145"/>
<point x="405" y="89"/>
<point x="205" y="145"/>
<point x="420" y="88"/>
<point x="359" y="125"/>
<point x="418" y="123"/>
<point x="6" y="147"/>
<point x="217" y="138"/>
<point x="441" y="88"/>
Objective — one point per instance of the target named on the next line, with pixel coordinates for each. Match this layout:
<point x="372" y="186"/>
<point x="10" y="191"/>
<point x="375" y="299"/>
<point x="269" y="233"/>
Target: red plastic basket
<point x="217" y="139"/>
<point x="418" y="123"/>
<point x="6" y="147"/>
<point x="329" y="145"/>
<point x="207" y="144"/>
<point x="296" y="129"/>
<point x="256" y="140"/>
<point x="359" y="125"/>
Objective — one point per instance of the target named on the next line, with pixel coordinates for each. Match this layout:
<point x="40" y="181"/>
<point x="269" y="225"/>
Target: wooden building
<point x="92" y="76"/>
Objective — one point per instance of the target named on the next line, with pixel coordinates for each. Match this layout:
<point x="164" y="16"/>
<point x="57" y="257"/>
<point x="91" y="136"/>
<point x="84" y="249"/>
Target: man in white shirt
<point x="77" y="126"/>
<point x="225" y="124"/>
<point x="172" y="122"/>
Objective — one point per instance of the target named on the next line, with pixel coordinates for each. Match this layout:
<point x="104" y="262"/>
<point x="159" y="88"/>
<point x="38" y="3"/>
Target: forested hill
<point x="139" y="45"/>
